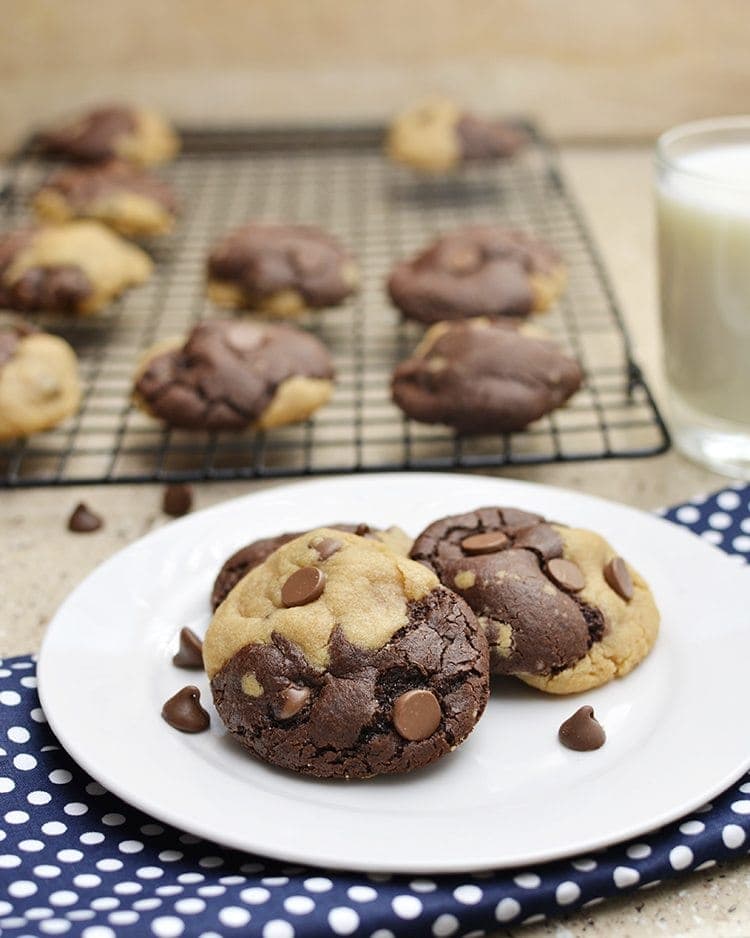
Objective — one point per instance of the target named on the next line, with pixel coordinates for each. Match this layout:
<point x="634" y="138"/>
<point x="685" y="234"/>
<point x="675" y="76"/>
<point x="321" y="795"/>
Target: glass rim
<point x="739" y="122"/>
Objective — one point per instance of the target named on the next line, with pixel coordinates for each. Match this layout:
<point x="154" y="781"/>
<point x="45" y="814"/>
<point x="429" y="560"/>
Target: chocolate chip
<point x="362" y="530"/>
<point x="84" y="520"/>
<point x="618" y="577"/>
<point x="416" y="714"/>
<point x="292" y="700"/>
<point x="541" y="538"/>
<point x="184" y="711"/>
<point x="243" y="336"/>
<point x="190" y="652"/>
<point x="582" y="731"/>
<point x="327" y="547"/>
<point x="566" y="575"/>
<point x="487" y="543"/>
<point x="304" y="586"/>
<point x="177" y="500"/>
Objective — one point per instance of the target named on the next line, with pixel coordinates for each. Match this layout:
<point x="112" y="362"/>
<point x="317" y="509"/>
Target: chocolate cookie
<point x="482" y="270"/>
<point x="253" y="554"/>
<point x="484" y="376"/>
<point x="138" y="135"/>
<point x="132" y="201"/>
<point x="231" y="374"/>
<point x="39" y="384"/>
<point x="283" y="270"/>
<point x="437" y="136"/>
<point x="346" y="660"/>
<point x="74" y="268"/>
<point x="561" y="610"/>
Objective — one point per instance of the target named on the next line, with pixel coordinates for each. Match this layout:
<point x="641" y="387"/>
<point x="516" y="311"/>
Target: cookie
<point x="283" y="270"/>
<point x="484" y="376"/>
<point x="138" y="135"/>
<point x="39" y="384"/>
<point x="437" y="136"/>
<point x="76" y="268"/>
<point x="345" y="660"/>
<point x="481" y="270"/>
<point x="233" y="374"/>
<point x="561" y="610"/>
<point x="130" y="200"/>
<point x="253" y="554"/>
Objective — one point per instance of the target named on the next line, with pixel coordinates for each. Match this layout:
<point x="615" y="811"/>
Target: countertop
<point x="40" y="561"/>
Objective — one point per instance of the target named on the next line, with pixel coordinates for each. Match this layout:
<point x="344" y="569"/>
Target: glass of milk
<point x="703" y="212"/>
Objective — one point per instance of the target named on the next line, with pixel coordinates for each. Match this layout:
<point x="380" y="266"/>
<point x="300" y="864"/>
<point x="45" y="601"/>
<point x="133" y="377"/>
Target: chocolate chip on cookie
<point x="541" y="592"/>
<point x="233" y="374"/>
<point x="484" y="376"/>
<point x="481" y="270"/>
<point x="283" y="270"/>
<point x="385" y="671"/>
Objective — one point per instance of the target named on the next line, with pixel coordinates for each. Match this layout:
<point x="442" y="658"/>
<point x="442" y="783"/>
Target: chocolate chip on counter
<point x="582" y="732"/>
<point x="327" y="547"/>
<point x="190" y="652"/>
<point x="184" y="711"/>
<point x="177" y="500"/>
<point x="83" y="520"/>
<point x="487" y="543"/>
<point x="292" y="700"/>
<point x="541" y="538"/>
<point x="303" y="587"/>
<point x="566" y="575"/>
<point x="416" y="714"/>
<point x="618" y="577"/>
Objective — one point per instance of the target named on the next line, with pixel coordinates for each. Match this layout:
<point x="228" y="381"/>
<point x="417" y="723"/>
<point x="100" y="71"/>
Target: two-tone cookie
<point x="438" y="136"/>
<point x="337" y="657"/>
<point x="562" y="611"/>
<point x="282" y="270"/>
<point x="234" y="374"/>
<point x="130" y="200"/>
<point x="480" y="270"/>
<point x="75" y="268"/>
<point x="138" y="135"/>
<point x="39" y="383"/>
<point x="484" y="376"/>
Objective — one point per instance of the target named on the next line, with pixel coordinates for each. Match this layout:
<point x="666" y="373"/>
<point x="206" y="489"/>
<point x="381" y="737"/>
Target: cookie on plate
<point x="39" y="383"/>
<point x="337" y="657"/>
<point x="484" y="376"/>
<point x="480" y="270"/>
<point x="437" y="136"/>
<point x="130" y="200"/>
<point x="75" y="268"/>
<point x="135" y="134"/>
<point x="231" y="374"/>
<point x="561" y="610"/>
<point x="282" y="270"/>
<point x="253" y="554"/>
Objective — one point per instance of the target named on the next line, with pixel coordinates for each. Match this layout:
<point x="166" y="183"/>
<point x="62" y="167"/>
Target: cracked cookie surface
<point x="337" y="657"/>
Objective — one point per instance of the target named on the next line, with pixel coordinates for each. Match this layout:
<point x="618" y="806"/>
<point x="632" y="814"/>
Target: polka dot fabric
<point x="77" y="861"/>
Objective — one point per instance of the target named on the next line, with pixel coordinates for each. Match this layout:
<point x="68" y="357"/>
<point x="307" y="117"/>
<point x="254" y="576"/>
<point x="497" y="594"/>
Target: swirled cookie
<point x="231" y="374"/>
<point x="337" y="657"/>
<point x="561" y="610"/>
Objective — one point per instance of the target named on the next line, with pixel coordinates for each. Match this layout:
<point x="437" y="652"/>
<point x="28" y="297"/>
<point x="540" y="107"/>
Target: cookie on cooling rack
<point x="39" y="383"/>
<point x="130" y="200"/>
<point x="480" y="270"/>
<point x="75" y="268"/>
<point x="283" y="270"/>
<point x="247" y="558"/>
<point x="135" y="134"/>
<point x="337" y="657"/>
<point x="234" y="374"/>
<point x="484" y="376"/>
<point x="562" y="611"/>
<point x="437" y="136"/>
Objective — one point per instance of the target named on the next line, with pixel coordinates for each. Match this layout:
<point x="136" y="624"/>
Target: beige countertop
<point x="40" y="561"/>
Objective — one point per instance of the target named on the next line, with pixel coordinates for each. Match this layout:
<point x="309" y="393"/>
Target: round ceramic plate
<point x="510" y="796"/>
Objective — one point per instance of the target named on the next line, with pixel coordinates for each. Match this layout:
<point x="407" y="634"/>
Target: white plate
<point x="510" y="796"/>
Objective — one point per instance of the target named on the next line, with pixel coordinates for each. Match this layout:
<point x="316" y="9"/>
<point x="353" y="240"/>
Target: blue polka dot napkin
<point x="75" y="860"/>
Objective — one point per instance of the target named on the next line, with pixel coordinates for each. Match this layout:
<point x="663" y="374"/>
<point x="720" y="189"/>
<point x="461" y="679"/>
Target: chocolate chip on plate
<point x="83" y="520"/>
<point x="184" y="712"/>
<point x="190" y="652"/>
<point x="618" y="577"/>
<point x="303" y="586"/>
<point x="177" y="500"/>
<point x="416" y="714"/>
<point x="582" y="732"/>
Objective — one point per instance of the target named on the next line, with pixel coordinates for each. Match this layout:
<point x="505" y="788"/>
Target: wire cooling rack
<point x="336" y="178"/>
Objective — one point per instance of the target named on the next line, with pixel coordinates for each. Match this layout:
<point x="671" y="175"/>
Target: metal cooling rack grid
<point x="336" y="178"/>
